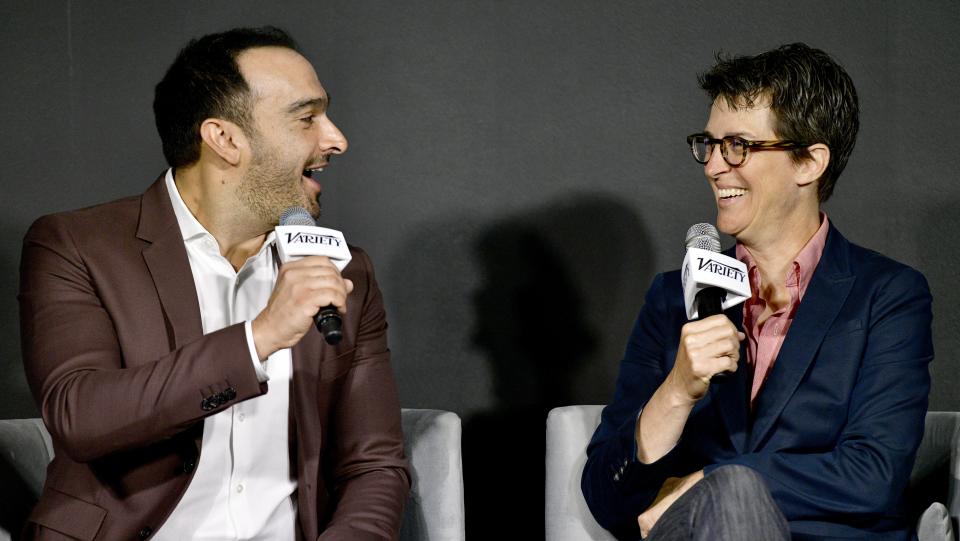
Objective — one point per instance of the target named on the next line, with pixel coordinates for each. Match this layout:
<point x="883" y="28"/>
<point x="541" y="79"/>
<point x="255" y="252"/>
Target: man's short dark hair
<point x="811" y="96"/>
<point x="204" y="82"/>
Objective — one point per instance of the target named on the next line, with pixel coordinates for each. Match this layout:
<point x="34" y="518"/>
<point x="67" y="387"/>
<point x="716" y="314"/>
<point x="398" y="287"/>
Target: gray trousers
<point x="733" y="503"/>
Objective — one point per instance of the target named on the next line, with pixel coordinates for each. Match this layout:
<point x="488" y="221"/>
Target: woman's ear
<point x="812" y="168"/>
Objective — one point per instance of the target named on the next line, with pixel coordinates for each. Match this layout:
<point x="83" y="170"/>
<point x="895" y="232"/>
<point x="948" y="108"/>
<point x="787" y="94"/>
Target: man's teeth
<point x="311" y="172"/>
<point x="730" y="192"/>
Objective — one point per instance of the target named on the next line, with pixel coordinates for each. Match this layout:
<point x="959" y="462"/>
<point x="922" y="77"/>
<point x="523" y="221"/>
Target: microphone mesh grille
<point x="703" y="236"/>
<point x="296" y="216"/>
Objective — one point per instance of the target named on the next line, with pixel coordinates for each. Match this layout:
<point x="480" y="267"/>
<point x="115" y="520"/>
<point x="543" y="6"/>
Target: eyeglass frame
<point x="747" y="145"/>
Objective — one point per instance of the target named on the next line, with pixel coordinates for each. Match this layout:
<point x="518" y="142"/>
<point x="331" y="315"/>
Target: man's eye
<point x="307" y="120"/>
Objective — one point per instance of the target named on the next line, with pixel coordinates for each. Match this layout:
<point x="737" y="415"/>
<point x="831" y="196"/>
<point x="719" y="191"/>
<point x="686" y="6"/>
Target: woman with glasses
<point x="813" y="430"/>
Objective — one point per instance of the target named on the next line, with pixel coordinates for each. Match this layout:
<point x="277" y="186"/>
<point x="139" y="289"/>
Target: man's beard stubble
<point x="268" y="188"/>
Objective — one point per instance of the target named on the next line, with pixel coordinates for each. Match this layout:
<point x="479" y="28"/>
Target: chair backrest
<point x="431" y="441"/>
<point x="434" y="511"/>
<point x="936" y="473"/>
<point x="567" y="517"/>
<point x="25" y="451"/>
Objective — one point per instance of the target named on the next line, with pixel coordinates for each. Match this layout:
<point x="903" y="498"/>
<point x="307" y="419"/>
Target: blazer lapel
<point x="167" y="262"/>
<point x="828" y="290"/>
<point x="166" y="259"/>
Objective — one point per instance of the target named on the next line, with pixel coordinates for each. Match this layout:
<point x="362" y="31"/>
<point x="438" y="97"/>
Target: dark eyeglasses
<point x="733" y="149"/>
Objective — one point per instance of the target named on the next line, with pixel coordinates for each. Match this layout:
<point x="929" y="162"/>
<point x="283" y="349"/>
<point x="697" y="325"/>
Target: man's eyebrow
<point x="318" y="103"/>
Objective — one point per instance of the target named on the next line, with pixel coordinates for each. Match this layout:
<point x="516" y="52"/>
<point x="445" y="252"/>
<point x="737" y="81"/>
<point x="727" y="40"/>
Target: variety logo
<point x="715" y="267"/>
<point x="312" y="238"/>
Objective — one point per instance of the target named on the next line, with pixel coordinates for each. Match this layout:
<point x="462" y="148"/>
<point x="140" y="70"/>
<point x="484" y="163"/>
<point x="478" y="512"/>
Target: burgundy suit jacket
<point x="124" y="376"/>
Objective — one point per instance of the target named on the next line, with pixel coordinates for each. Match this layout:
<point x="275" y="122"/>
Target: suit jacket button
<point x="230" y="393"/>
<point x="145" y="532"/>
<point x="207" y="404"/>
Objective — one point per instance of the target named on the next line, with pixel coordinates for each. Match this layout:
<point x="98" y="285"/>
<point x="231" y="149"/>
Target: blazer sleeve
<point x="866" y="472"/>
<point x="371" y="481"/>
<point x="92" y="402"/>
<point x="618" y="487"/>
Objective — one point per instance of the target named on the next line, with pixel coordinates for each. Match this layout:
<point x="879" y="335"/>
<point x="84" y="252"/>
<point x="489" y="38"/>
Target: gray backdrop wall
<point x="517" y="170"/>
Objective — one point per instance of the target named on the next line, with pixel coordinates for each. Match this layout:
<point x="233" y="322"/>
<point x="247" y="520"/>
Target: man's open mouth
<point x="312" y="172"/>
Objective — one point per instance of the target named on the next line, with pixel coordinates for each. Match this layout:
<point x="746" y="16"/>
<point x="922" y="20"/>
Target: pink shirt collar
<point x="764" y="341"/>
<point x="803" y="265"/>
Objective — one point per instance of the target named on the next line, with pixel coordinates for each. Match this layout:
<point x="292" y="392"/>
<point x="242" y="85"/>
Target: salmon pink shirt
<point x="764" y="339"/>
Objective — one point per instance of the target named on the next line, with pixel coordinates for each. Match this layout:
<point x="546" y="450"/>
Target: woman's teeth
<point x="725" y="193"/>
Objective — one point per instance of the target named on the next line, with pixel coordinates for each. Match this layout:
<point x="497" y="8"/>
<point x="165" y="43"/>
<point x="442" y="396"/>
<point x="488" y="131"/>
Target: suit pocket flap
<point x="68" y="515"/>
<point x="844" y="328"/>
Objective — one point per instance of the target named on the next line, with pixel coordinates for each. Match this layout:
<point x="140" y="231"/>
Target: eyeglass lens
<point x="733" y="151"/>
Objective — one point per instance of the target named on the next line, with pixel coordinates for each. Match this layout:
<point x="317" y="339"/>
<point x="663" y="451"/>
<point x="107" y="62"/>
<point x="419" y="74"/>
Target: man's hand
<point x="670" y="492"/>
<point x="303" y="287"/>
<point x="707" y="347"/>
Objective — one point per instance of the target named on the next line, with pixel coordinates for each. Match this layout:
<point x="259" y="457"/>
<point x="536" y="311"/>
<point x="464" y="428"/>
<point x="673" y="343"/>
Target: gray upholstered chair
<point x="935" y="478"/>
<point x="434" y="511"/>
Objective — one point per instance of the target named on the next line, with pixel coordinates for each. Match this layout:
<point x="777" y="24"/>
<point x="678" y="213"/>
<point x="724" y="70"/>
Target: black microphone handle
<point x="710" y="303"/>
<point x="330" y="324"/>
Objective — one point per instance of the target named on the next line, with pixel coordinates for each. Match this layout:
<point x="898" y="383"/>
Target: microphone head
<point x="296" y="216"/>
<point x="703" y="236"/>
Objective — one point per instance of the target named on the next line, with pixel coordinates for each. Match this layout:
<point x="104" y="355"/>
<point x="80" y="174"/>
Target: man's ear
<point x="812" y="168"/>
<point x="224" y="138"/>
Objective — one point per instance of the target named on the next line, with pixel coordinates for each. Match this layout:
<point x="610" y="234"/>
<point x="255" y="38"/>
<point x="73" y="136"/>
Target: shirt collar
<point x="803" y="264"/>
<point x="190" y="227"/>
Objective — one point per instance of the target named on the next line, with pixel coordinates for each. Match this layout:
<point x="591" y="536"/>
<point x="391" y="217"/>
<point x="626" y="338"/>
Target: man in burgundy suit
<point x="176" y="364"/>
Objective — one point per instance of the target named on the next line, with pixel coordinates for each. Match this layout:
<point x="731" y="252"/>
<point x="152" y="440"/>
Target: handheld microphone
<point x="298" y="236"/>
<point x="712" y="282"/>
<point x="709" y="301"/>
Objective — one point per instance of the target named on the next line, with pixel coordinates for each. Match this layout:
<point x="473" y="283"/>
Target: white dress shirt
<point x="243" y="487"/>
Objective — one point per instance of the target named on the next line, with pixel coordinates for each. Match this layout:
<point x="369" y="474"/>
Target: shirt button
<point x="241" y="417"/>
<point x="239" y="488"/>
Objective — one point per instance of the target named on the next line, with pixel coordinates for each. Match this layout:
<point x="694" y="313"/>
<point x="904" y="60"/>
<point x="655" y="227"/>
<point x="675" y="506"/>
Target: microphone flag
<point x="705" y="268"/>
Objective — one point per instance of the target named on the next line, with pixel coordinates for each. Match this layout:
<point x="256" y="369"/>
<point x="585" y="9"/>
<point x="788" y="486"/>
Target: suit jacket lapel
<point x="167" y="262"/>
<point x="828" y="290"/>
<point x="166" y="259"/>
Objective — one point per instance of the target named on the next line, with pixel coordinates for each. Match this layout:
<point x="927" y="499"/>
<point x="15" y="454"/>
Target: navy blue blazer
<point x="835" y="429"/>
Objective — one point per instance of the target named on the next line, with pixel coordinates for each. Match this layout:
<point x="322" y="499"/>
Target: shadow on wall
<point x="937" y="242"/>
<point x="17" y="401"/>
<point x="545" y="279"/>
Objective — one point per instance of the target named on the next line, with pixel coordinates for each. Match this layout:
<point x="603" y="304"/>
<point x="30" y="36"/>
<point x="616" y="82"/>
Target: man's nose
<point x="332" y="140"/>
